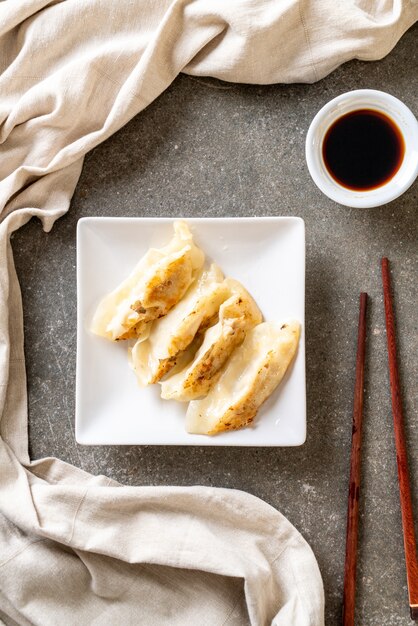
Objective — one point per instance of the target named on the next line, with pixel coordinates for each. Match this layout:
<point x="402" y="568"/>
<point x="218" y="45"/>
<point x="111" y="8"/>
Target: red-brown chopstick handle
<point x="355" y="466"/>
<point x="401" y="454"/>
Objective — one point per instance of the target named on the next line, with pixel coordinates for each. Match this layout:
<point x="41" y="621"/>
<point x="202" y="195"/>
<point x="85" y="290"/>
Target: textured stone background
<point x="212" y="149"/>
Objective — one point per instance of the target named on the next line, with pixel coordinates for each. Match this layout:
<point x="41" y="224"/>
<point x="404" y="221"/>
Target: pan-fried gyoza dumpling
<point x="253" y="372"/>
<point x="170" y="336"/>
<point x="157" y="283"/>
<point x="237" y="315"/>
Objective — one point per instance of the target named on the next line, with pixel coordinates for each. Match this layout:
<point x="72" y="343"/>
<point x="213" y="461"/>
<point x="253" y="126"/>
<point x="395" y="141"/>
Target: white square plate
<point x="266" y="254"/>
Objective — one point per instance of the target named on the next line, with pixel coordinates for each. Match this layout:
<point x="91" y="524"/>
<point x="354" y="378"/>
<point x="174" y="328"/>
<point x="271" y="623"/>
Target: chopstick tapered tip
<point x="363" y="306"/>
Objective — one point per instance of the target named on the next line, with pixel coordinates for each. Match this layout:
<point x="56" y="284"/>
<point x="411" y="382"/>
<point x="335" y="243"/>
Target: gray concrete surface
<point x="211" y="149"/>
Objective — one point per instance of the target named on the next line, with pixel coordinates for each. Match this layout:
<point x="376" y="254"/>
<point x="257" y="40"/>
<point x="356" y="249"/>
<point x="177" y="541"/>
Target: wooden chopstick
<point x="401" y="455"/>
<point x="354" y="488"/>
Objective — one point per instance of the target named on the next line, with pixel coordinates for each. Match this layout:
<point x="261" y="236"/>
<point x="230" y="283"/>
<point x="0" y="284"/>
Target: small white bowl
<point x="351" y="101"/>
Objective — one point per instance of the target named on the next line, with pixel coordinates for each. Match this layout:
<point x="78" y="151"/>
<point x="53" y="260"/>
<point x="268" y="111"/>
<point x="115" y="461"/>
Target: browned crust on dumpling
<point x="134" y="331"/>
<point x="243" y="413"/>
<point x="152" y="289"/>
<point x="209" y="369"/>
<point x="237" y="314"/>
<point x="163" y="293"/>
<point x="164" y="366"/>
<point x="235" y="421"/>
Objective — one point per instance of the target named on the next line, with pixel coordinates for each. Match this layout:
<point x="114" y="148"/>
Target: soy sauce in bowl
<point x="362" y="150"/>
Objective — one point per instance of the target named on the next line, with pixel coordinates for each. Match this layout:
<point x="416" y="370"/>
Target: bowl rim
<point x="381" y="101"/>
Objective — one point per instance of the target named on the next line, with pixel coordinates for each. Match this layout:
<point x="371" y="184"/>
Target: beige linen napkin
<point x="78" y="549"/>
